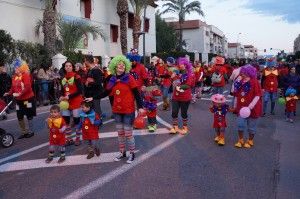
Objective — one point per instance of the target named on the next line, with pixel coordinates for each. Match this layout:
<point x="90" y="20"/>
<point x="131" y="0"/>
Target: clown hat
<point x="218" y="98"/>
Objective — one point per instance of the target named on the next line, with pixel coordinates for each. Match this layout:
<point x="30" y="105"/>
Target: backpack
<point x="216" y="77"/>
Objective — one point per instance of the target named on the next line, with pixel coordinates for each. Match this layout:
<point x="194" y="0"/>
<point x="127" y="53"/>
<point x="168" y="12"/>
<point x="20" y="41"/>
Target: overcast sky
<point x="263" y="23"/>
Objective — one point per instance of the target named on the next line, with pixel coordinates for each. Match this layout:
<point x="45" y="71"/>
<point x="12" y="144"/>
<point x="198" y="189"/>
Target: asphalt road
<point x="167" y="166"/>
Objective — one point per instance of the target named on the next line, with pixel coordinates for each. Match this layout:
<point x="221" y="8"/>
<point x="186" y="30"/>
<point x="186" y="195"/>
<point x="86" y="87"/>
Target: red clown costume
<point x="56" y="136"/>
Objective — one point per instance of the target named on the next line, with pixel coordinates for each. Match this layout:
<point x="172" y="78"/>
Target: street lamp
<point x="237" y="42"/>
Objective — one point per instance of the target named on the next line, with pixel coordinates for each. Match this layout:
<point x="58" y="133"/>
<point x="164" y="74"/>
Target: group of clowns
<point x="132" y="87"/>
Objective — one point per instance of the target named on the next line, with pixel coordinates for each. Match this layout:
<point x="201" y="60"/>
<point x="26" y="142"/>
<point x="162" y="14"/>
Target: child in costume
<point x="182" y="95"/>
<point x="124" y="91"/>
<point x="57" y="138"/>
<point x="89" y="126"/>
<point x="164" y="75"/>
<point x="269" y="83"/>
<point x="291" y="103"/>
<point x="138" y="70"/>
<point x="218" y="75"/>
<point x="219" y="109"/>
<point x="198" y="72"/>
<point x="247" y="92"/>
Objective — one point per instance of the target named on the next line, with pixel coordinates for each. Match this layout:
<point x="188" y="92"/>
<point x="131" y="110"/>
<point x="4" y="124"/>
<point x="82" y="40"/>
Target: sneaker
<point x="49" y="159"/>
<point x="239" y="143"/>
<point x="69" y="142"/>
<point x="61" y="159"/>
<point x="184" y="130"/>
<point x="151" y="128"/>
<point x="249" y="144"/>
<point x="97" y="152"/>
<point x="221" y="142"/>
<point x="90" y="155"/>
<point x="287" y="119"/>
<point x="264" y="115"/>
<point x="174" y="130"/>
<point x="130" y="158"/>
<point x="120" y="156"/>
<point x="216" y="139"/>
<point x="291" y="120"/>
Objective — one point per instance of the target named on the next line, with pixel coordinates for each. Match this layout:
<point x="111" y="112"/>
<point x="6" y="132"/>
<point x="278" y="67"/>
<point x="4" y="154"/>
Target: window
<point x="86" y="8"/>
<point x="147" y="25"/>
<point x="114" y="33"/>
<point x="130" y="20"/>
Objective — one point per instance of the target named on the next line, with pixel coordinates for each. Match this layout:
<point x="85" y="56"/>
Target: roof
<point x="233" y="45"/>
<point x="190" y="24"/>
<point x="248" y="46"/>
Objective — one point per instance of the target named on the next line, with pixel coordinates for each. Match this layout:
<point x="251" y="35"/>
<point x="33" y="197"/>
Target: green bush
<point x="6" y="47"/>
<point x="74" y="57"/>
<point x="33" y="53"/>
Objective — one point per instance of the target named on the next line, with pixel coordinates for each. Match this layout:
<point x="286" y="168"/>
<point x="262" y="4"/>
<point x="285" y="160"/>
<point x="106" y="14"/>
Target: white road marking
<point x="139" y="132"/>
<point x="101" y="181"/>
<point x="70" y="161"/>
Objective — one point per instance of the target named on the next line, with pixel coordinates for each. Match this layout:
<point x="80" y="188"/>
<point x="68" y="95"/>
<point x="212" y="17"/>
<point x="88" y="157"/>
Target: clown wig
<point x="249" y="71"/>
<point x="188" y="66"/>
<point x="115" y="61"/>
<point x="290" y="91"/>
<point x="21" y="65"/>
<point x="171" y="60"/>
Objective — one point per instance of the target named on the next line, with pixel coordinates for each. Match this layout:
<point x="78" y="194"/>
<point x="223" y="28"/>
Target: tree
<point x="166" y="38"/>
<point x="48" y="25"/>
<point x="6" y="47"/>
<point x="71" y="32"/>
<point x="137" y="6"/>
<point x="182" y="8"/>
<point x="122" y="10"/>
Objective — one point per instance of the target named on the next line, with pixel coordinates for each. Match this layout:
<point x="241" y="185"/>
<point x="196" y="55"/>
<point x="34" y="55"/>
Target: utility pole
<point x="144" y="35"/>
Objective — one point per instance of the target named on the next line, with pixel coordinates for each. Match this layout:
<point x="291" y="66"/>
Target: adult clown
<point x="138" y="70"/>
<point x="21" y="90"/>
<point x="72" y="93"/>
<point x="247" y="92"/>
<point x="269" y="83"/>
<point x="182" y="95"/>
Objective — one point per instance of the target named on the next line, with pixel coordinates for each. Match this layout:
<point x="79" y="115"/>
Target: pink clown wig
<point x="188" y="66"/>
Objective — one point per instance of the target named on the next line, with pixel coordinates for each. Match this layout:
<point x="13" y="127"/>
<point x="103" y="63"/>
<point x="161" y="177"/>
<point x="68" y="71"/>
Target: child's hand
<point x="232" y="110"/>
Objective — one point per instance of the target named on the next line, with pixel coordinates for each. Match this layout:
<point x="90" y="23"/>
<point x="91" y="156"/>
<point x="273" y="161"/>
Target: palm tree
<point x="48" y="25"/>
<point x="182" y="8"/>
<point x="137" y="6"/>
<point x="71" y="32"/>
<point x="122" y="10"/>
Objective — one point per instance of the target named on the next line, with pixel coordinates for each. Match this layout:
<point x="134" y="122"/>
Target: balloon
<point x="139" y="122"/>
<point x="245" y="112"/>
<point x="281" y="101"/>
<point x="64" y="105"/>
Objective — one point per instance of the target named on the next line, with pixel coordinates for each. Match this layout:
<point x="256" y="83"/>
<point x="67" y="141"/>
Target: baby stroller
<point x="6" y="139"/>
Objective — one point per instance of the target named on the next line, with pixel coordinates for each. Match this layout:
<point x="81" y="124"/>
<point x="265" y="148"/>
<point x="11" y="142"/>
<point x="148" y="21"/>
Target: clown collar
<point x="124" y="78"/>
<point x="91" y="115"/>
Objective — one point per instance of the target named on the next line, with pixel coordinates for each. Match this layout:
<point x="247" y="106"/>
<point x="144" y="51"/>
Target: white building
<point x="201" y="38"/>
<point x="250" y="51"/>
<point x="236" y="50"/>
<point x="19" y="17"/>
<point x="297" y="44"/>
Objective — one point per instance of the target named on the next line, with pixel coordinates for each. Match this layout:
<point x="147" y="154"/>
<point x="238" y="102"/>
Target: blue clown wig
<point x="290" y="91"/>
<point x="171" y="60"/>
<point x="271" y="63"/>
<point x="134" y="57"/>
